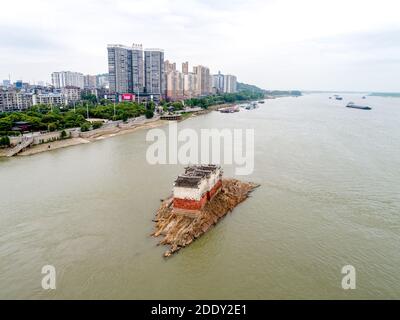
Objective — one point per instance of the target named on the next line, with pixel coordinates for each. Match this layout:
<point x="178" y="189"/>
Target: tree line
<point x="46" y="118"/>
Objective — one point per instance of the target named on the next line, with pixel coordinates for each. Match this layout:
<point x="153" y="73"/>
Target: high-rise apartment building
<point x="154" y="73"/>
<point x="102" y="81"/>
<point x="210" y="84"/>
<point x="185" y="67"/>
<point x="125" y="68"/>
<point x="189" y="85"/>
<point x="67" y="78"/>
<point x="218" y="82"/>
<point x="134" y="70"/>
<point x="173" y="81"/>
<point x="230" y="83"/>
<point x="174" y="85"/>
<point x="89" y="81"/>
<point x="203" y="80"/>
<point x="168" y="67"/>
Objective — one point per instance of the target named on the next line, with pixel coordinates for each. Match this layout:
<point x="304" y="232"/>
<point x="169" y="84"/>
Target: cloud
<point x="26" y="40"/>
<point x="274" y="44"/>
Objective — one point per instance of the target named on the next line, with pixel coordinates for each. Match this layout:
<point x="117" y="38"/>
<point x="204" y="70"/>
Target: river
<point x="329" y="197"/>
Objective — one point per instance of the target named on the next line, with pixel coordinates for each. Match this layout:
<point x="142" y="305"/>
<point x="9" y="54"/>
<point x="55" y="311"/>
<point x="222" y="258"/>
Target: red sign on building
<point x="127" y="97"/>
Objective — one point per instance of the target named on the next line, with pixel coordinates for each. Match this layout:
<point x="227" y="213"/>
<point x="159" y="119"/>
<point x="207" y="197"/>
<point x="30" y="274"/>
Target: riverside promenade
<point x="36" y="142"/>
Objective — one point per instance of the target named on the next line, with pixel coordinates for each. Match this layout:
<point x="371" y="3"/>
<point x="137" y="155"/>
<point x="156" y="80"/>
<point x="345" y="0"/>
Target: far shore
<point x="102" y="134"/>
<point x="48" y="146"/>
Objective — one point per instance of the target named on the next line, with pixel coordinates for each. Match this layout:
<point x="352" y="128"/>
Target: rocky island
<point x="200" y="199"/>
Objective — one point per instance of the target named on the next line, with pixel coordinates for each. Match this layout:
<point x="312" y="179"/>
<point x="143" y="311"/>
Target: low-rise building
<point x="13" y="100"/>
<point x="49" y="99"/>
<point x="197" y="186"/>
<point x="71" y="94"/>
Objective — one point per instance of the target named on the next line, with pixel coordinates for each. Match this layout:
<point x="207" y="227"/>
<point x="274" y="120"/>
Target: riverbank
<point x="104" y="133"/>
<point x="99" y="134"/>
<point x="3" y="152"/>
<point x="52" y="146"/>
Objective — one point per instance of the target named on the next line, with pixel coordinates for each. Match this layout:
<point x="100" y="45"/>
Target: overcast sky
<point x="285" y="44"/>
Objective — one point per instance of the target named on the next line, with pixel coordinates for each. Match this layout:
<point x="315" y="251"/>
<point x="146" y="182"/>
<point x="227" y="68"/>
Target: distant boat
<point x="229" y="109"/>
<point x="261" y="101"/>
<point x="355" y="106"/>
<point x="251" y="106"/>
<point x="338" y="98"/>
<point x="364" y="97"/>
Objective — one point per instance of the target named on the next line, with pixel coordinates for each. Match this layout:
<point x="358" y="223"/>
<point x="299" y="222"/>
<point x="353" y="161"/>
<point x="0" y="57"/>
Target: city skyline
<point x="133" y="72"/>
<point x="252" y="39"/>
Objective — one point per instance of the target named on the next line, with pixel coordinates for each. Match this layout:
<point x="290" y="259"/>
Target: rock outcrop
<point x="180" y="229"/>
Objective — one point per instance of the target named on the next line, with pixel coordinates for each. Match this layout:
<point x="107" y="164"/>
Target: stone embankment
<point x="178" y="229"/>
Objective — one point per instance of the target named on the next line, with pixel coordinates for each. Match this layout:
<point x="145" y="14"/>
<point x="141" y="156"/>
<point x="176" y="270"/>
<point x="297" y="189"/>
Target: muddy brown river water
<point x="329" y="197"/>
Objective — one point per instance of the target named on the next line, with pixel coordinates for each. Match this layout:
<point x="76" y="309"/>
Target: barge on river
<point x="356" y="106"/>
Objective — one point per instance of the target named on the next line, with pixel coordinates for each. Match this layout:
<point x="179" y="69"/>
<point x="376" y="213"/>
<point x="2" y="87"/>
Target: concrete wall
<point x="39" y="138"/>
<point x="75" y="132"/>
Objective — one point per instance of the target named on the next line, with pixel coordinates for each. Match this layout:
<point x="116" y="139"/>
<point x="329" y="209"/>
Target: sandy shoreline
<point x="99" y="135"/>
<point x="54" y="145"/>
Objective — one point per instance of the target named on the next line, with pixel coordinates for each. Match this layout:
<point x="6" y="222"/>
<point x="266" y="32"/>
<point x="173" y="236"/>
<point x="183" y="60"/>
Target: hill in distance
<point x="252" y="88"/>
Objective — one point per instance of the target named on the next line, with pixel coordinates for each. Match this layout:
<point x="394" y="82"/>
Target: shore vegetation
<point x="54" y="118"/>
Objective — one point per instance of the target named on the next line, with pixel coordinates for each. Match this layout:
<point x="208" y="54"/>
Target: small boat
<point x="355" y="106"/>
<point x="229" y="109"/>
<point x="251" y="106"/>
<point x="364" y="97"/>
<point x="338" y="98"/>
<point x="261" y="101"/>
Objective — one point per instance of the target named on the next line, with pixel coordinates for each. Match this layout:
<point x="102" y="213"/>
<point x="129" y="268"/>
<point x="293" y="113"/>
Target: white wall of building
<point x="191" y="193"/>
<point x="230" y="83"/>
<point x="67" y="78"/>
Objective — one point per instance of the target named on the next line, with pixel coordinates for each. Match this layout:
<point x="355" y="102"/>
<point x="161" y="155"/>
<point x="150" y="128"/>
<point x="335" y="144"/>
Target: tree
<point x="149" y="114"/>
<point x="97" y="124"/>
<point x="5" y="124"/>
<point x="52" y="126"/>
<point x="89" y="97"/>
<point x="51" y="117"/>
<point x="124" y="116"/>
<point x="177" y="105"/>
<point x="85" y="127"/>
<point x="104" y="102"/>
<point x="5" y="141"/>
<point x="151" y="105"/>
